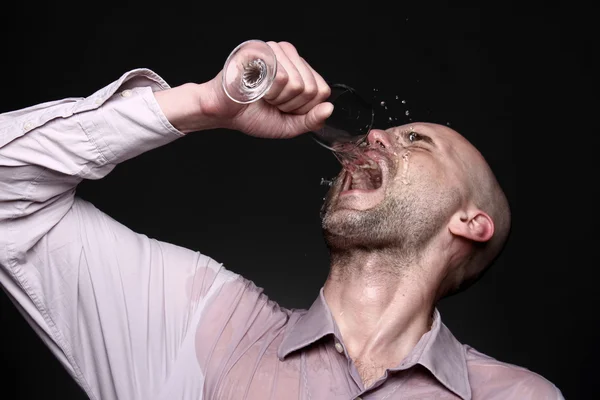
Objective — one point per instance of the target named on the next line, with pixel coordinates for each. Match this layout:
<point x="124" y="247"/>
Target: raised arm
<point x="115" y="306"/>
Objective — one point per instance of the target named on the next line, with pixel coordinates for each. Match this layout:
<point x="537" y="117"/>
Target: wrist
<point x="187" y="107"/>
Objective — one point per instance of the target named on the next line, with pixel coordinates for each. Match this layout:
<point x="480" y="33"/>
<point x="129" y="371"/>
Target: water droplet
<point x="386" y="107"/>
<point x="326" y="182"/>
<point x="406" y="112"/>
<point x="390" y="118"/>
<point x="448" y="123"/>
<point x="374" y="89"/>
<point x="403" y="101"/>
<point x="383" y="103"/>
<point x="396" y="97"/>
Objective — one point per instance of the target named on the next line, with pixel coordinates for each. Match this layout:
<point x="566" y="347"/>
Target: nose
<point x="380" y="138"/>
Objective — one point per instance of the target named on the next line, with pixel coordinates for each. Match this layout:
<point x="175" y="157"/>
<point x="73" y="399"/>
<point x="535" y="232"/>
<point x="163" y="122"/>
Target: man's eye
<point x="413" y="136"/>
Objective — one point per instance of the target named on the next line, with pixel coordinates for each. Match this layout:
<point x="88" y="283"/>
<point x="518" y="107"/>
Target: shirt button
<point x="27" y="126"/>
<point x="99" y="100"/>
<point x="339" y="347"/>
<point x="126" y="93"/>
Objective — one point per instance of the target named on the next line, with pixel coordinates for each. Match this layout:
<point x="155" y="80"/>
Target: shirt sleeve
<point x="114" y="306"/>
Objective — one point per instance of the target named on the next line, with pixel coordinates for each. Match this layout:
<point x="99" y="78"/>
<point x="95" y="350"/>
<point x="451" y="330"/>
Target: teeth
<point x="371" y="165"/>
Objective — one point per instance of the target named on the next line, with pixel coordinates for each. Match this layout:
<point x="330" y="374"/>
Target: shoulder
<point x="493" y="379"/>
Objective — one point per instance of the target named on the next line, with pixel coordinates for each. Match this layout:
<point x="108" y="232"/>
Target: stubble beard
<point x="403" y="223"/>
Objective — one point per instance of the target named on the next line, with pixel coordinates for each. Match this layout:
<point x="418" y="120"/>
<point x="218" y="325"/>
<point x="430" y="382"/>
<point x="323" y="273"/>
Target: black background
<point x="505" y="77"/>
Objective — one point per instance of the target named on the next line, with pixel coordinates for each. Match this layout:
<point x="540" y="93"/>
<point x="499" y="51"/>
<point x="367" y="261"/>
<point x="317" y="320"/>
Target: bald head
<point x="482" y="190"/>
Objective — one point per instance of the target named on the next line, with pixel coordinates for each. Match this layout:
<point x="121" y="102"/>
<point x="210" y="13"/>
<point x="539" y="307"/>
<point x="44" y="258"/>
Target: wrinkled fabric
<point x="131" y="317"/>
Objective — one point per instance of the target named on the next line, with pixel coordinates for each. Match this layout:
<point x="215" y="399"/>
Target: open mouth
<point x="363" y="174"/>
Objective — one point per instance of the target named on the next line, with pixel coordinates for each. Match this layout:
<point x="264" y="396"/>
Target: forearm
<point x="48" y="149"/>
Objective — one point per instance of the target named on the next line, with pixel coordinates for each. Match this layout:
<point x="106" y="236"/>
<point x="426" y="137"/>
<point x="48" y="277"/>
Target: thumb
<point x="315" y="118"/>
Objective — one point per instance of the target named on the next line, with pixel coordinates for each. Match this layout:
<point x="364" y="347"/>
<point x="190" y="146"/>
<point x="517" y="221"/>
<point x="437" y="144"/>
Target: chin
<point x="347" y="227"/>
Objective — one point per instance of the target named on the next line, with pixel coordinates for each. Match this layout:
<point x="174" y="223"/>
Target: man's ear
<point x="473" y="225"/>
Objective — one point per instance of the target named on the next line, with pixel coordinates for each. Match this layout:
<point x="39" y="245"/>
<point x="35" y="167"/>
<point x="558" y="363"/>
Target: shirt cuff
<point x="124" y="120"/>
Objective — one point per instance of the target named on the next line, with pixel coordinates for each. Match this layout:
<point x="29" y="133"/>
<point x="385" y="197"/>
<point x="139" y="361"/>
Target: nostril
<point x="377" y="137"/>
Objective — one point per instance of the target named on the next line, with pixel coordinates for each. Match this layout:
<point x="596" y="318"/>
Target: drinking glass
<point x="249" y="72"/>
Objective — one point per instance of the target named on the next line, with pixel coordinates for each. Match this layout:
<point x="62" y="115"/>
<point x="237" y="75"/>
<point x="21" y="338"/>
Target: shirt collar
<point x="437" y="350"/>
<point x="311" y="326"/>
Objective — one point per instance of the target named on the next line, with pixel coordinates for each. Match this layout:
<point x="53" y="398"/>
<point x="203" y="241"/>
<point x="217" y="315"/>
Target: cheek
<point x="431" y="170"/>
<point x="414" y="168"/>
<point x="418" y="178"/>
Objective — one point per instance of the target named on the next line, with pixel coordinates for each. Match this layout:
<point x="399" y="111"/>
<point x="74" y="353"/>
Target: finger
<point x="313" y="120"/>
<point x="290" y="84"/>
<point x="323" y="92"/>
<point x="310" y="83"/>
<point x="279" y="82"/>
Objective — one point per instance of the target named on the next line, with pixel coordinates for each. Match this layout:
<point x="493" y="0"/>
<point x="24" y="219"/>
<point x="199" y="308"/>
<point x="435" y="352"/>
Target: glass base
<point x="249" y="71"/>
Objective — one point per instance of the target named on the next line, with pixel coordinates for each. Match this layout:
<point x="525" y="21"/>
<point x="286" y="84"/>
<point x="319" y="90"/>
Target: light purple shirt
<point x="131" y="317"/>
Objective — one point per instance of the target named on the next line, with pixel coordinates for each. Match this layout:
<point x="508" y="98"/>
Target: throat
<point x="381" y="320"/>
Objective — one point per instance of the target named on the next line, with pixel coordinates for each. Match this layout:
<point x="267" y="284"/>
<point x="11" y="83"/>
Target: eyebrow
<point x="427" y="139"/>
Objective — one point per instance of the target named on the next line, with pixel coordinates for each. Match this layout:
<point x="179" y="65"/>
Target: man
<point x="134" y="318"/>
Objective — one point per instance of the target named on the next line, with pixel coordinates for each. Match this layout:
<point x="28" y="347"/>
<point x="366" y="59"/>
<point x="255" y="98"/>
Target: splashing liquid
<point x="405" y="176"/>
<point x="327" y="182"/>
<point x="351" y="155"/>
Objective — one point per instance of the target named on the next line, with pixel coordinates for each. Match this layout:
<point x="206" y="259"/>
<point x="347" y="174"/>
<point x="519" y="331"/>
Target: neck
<point x="382" y="303"/>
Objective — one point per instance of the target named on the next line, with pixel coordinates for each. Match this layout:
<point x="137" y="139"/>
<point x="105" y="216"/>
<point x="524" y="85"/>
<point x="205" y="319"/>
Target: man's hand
<point x="294" y="104"/>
